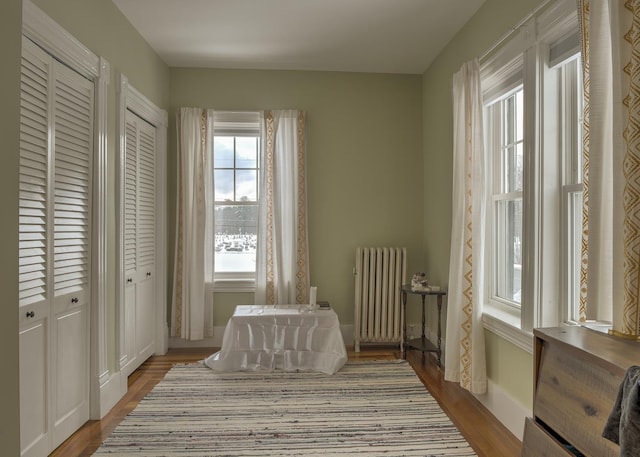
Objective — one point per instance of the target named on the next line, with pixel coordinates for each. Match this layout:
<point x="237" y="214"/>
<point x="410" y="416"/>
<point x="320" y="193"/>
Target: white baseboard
<point x="505" y="408"/>
<point x="214" y="341"/>
<point x="111" y="391"/>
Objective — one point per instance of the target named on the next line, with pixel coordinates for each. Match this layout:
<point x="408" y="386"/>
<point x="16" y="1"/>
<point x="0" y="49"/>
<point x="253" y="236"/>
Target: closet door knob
<point x="31" y="314"/>
<point x="129" y="280"/>
<point x="74" y="300"/>
<point x="148" y="273"/>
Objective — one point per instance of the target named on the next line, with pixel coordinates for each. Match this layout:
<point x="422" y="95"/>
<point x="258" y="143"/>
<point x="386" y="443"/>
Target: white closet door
<point x="55" y="188"/>
<point x="73" y="121"/>
<point x="139" y="241"/>
<point x="130" y="253"/>
<point x="33" y="251"/>
<point x="130" y="197"/>
<point x="146" y="240"/>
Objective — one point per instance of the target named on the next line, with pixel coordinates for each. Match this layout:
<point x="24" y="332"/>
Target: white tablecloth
<point x="287" y="337"/>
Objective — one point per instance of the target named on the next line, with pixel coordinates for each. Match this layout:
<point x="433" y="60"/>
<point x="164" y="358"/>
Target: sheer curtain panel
<point x="282" y="261"/>
<point x="611" y="215"/>
<point x="465" y="355"/>
<point x="190" y="318"/>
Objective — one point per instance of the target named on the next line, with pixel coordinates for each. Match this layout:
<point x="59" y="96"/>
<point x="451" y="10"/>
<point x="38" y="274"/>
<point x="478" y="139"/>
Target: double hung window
<point x="506" y="121"/>
<point x="236" y="149"/>
<point x="532" y="119"/>
<point x="570" y="94"/>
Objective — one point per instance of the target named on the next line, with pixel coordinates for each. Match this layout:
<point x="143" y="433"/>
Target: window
<point x="236" y="149"/>
<point x="570" y="95"/>
<point x="532" y="117"/>
<point x="507" y="160"/>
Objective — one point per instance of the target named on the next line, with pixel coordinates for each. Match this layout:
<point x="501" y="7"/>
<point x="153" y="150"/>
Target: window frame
<point x="527" y="50"/>
<point x="235" y="124"/>
<point x="571" y="187"/>
<point x="495" y="135"/>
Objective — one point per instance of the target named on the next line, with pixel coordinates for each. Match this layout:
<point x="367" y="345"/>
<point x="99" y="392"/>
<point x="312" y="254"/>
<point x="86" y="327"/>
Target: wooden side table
<point x="422" y="343"/>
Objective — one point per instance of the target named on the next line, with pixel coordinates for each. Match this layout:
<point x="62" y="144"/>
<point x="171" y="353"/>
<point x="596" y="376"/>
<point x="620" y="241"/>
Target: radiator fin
<point x="379" y="274"/>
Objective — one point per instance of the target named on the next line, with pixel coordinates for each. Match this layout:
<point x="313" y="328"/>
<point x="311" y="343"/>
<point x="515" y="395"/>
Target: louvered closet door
<point x="130" y="253"/>
<point x="146" y="240"/>
<point x="73" y="120"/>
<point x="55" y="189"/>
<point x="34" y="267"/>
<point x="139" y="240"/>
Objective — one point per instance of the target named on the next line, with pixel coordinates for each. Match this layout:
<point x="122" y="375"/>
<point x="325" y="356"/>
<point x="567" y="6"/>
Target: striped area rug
<point x="367" y="408"/>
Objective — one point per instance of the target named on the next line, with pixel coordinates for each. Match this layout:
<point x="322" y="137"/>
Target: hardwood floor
<point x="487" y="436"/>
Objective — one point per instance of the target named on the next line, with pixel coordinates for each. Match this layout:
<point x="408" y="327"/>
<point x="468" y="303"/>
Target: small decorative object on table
<point x="419" y="283"/>
<point x="313" y="293"/>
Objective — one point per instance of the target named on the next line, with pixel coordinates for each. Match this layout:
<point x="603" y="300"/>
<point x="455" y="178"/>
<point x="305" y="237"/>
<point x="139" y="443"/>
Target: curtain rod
<point x="513" y="29"/>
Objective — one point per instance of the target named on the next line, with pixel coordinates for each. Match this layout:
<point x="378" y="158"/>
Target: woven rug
<point x="367" y="408"/>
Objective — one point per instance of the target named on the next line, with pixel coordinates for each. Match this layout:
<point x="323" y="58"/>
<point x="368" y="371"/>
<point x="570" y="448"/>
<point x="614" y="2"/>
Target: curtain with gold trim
<point x="191" y="319"/>
<point x="282" y="259"/>
<point x="465" y="352"/>
<point x="611" y="216"/>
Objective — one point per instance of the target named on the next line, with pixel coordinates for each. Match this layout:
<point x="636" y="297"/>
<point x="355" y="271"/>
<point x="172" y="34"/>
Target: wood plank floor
<point x="487" y="436"/>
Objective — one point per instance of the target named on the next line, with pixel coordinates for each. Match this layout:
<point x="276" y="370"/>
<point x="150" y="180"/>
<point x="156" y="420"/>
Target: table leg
<point x="439" y="330"/>
<point x="423" y="317"/>
<point x="403" y="339"/>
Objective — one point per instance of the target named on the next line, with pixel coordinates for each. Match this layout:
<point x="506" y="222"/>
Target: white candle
<point x="313" y="292"/>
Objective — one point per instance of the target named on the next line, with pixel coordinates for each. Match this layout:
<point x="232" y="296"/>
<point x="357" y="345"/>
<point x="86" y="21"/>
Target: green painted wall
<point x="510" y="367"/>
<point x="364" y="162"/>
<point x="493" y="20"/>
<point x="10" y="33"/>
<point x="101" y="27"/>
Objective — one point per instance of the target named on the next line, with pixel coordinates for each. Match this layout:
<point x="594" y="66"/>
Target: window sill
<point x="506" y="326"/>
<point x="232" y="285"/>
<point x="602" y="327"/>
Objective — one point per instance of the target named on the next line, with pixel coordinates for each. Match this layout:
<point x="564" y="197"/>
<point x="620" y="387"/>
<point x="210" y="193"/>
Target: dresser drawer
<point x="574" y="399"/>
<point x="539" y="443"/>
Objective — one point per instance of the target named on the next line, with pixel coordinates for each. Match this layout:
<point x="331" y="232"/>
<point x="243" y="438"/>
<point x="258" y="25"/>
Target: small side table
<point x="422" y="343"/>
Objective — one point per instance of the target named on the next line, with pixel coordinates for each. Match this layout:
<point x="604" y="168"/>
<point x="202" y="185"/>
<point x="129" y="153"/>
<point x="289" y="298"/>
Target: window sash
<point x="505" y="136"/>
<point x="572" y="251"/>
<point x="244" y="243"/>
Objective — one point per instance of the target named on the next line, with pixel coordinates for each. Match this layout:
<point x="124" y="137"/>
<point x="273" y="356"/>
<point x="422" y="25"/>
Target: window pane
<point x="246" y="185"/>
<point x="513" y="143"/>
<point x="223" y="152"/>
<point x="519" y="116"/>
<point x="513" y="168"/>
<point x="509" y="120"/>
<point x="572" y="119"/>
<point x="247" y="152"/>
<point x="575" y="253"/>
<point x="508" y="243"/>
<point x="235" y="238"/>
<point x="223" y="182"/>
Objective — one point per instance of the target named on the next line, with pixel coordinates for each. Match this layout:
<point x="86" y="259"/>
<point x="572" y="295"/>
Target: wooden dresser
<point x="577" y="375"/>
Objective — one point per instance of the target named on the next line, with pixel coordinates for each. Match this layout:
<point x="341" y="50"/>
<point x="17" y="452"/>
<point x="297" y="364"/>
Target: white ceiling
<point x="379" y="36"/>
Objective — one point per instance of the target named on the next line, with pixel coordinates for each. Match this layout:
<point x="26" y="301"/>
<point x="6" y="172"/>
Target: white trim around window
<point x="235" y="124"/>
<point x="545" y="39"/>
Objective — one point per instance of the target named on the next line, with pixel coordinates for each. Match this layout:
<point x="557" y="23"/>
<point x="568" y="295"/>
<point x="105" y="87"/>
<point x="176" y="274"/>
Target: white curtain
<point x="282" y="256"/>
<point x="191" y="319"/>
<point x="464" y="351"/>
<point x="611" y="216"/>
